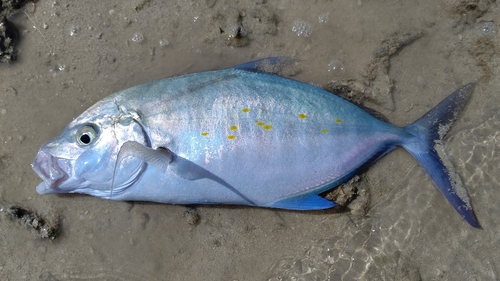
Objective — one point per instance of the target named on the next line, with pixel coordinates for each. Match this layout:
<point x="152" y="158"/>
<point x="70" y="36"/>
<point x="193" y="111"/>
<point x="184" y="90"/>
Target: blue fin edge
<point x="303" y="202"/>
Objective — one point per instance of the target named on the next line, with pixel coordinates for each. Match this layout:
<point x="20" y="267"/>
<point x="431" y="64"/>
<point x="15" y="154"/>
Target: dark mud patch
<point x="351" y="196"/>
<point x="42" y="227"/>
<point x="483" y="51"/>
<point x="9" y="36"/>
<point x="467" y="11"/>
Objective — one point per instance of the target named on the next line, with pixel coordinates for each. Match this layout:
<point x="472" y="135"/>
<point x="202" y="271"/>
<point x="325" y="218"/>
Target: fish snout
<point x="52" y="170"/>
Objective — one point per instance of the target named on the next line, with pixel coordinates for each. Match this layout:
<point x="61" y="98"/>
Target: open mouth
<point x="52" y="170"/>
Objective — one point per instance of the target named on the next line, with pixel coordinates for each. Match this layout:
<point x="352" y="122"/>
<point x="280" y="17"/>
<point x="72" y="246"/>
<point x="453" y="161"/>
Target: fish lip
<point x="52" y="170"/>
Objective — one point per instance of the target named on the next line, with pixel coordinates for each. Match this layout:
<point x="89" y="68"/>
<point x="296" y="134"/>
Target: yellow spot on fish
<point x="338" y="121"/>
<point x="302" y="116"/>
<point x="233" y="128"/>
<point x="204" y="134"/>
<point x="246" y="110"/>
<point x="263" y="125"/>
<point x="324" y="130"/>
<point x="231" y="137"/>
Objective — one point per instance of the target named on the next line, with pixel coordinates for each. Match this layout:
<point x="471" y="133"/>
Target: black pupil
<point x="85" y="138"/>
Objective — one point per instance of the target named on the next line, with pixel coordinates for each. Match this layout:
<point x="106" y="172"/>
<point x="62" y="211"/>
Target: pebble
<point x="73" y="30"/>
<point x="164" y="42"/>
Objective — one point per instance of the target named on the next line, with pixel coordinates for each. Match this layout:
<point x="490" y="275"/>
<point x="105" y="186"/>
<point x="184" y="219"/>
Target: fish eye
<point x="86" y="135"/>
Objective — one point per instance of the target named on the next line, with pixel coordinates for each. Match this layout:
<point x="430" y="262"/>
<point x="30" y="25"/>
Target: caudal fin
<point x="427" y="147"/>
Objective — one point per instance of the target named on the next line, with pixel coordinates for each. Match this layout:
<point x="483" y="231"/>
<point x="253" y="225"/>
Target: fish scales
<point x="295" y="141"/>
<point x="235" y="136"/>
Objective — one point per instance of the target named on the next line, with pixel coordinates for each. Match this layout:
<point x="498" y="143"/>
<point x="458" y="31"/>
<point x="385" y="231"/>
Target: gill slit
<point x="148" y="142"/>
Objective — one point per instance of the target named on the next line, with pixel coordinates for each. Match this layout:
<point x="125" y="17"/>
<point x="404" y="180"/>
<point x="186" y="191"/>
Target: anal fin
<point x="303" y="202"/>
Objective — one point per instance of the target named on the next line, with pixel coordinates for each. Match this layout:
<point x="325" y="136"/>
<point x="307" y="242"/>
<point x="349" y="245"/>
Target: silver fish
<point x="238" y="136"/>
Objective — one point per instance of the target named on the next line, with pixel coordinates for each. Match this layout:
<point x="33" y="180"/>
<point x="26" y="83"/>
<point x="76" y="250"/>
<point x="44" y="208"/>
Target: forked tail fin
<point x="427" y="147"/>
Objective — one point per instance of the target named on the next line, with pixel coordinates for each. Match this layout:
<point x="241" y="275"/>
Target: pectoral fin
<point x="158" y="158"/>
<point x="163" y="159"/>
<point x="189" y="170"/>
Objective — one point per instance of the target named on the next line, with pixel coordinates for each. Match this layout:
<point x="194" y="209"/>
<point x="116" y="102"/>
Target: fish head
<point x="82" y="159"/>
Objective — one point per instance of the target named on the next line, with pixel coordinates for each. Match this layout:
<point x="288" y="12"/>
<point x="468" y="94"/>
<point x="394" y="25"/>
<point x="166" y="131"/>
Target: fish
<point x="239" y="136"/>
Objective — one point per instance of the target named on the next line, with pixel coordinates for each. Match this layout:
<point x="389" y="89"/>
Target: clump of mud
<point x="468" y="11"/>
<point x="8" y="31"/>
<point x="42" y="227"/>
<point x="8" y="40"/>
<point x="352" y="195"/>
<point x="236" y="26"/>
<point x="483" y="50"/>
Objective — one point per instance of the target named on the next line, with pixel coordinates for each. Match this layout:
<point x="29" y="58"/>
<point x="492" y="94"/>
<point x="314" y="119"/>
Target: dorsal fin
<point x="272" y="65"/>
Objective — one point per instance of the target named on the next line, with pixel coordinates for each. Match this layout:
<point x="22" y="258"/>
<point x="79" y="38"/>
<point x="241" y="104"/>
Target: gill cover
<point x="98" y="165"/>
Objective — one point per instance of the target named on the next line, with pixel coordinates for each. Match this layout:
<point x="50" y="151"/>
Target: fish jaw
<point x="54" y="171"/>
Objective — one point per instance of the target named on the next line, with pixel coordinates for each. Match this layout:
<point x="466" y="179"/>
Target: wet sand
<point x="73" y="53"/>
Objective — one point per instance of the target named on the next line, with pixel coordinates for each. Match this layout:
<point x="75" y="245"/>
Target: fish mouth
<point x="52" y="170"/>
